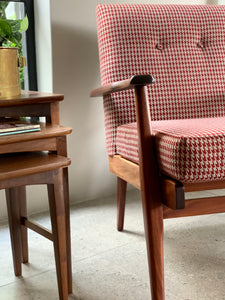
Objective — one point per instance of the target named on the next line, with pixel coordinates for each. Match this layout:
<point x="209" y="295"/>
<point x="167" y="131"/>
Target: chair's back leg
<point x="15" y="228"/>
<point x="23" y="214"/>
<point x="58" y="220"/>
<point x="121" y="200"/>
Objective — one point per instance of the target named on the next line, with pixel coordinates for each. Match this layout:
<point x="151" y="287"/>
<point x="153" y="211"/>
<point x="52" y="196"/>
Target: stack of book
<point x="7" y="128"/>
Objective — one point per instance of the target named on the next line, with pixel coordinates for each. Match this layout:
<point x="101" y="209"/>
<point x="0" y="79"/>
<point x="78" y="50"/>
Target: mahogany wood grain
<point x="42" y="178"/>
<point x="14" y="227"/>
<point x="14" y="166"/>
<point x="122" y="85"/>
<point x="197" y="207"/>
<point x="47" y="169"/>
<point x="68" y="235"/>
<point x="37" y="228"/>
<point x="30" y="97"/>
<point x="54" y="114"/>
<point x="48" y="144"/>
<point x="125" y="169"/>
<point x="204" y="186"/>
<point x="172" y="192"/>
<point x="45" y="140"/>
<point x="61" y="145"/>
<point x="51" y="138"/>
<point x="48" y="131"/>
<point x="121" y="199"/>
<point x="151" y="196"/>
<point x="26" y="110"/>
<point x="58" y="220"/>
<point x="23" y="214"/>
<point x="62" y="150"/>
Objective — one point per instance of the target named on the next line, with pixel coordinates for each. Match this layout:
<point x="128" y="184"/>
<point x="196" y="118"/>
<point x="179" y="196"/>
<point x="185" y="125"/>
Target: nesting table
<point x="51" y="137"/>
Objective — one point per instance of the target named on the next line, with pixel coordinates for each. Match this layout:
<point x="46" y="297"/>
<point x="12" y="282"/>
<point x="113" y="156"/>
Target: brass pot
<point x="9" y="72"/>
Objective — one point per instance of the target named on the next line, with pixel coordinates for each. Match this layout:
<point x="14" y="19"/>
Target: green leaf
<point x="15" y="24"/>
<point x="10" y="29"/>
<point x="15" y="38"/>
<point x="24" y="24"/>
<point x="5" y="28"/>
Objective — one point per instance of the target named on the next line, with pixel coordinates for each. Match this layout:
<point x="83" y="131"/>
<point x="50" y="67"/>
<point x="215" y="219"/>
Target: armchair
<point x="165" y="132"/>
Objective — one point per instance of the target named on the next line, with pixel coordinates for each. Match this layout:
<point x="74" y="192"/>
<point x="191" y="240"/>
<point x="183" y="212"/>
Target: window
<point x="18" y="9"/>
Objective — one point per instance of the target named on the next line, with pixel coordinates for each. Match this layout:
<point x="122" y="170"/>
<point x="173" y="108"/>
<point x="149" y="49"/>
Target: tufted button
<point x="159" y="47"/>
<point x="200" y="45"/>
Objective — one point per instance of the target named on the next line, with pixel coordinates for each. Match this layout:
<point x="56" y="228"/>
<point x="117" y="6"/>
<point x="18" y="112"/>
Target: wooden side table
<point x="52" y="137"/>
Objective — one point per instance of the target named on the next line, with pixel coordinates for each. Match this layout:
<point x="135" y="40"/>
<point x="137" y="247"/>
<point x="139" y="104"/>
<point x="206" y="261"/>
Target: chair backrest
<point x="183" y="47"/>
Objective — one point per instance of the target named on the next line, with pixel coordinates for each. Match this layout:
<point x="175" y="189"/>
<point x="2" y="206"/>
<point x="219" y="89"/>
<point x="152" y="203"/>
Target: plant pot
<point x="9" y="72"/>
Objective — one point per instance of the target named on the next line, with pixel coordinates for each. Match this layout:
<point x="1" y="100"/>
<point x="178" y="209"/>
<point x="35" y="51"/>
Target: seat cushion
<point x="191" y="150"/>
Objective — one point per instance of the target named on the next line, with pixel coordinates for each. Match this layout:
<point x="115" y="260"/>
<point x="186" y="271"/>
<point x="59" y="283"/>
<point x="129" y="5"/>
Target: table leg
<point x="23" y="214"/>
<point x="68" y="240"/>
<point x="62" y="150"/>
<point x="15" y="228"/>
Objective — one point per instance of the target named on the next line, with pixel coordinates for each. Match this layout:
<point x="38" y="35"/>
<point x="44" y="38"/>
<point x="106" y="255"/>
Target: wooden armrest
<point x="123" y="85"/>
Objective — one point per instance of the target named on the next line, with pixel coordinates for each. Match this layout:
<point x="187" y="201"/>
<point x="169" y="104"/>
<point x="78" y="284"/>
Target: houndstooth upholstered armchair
<point x="165" y="138"/>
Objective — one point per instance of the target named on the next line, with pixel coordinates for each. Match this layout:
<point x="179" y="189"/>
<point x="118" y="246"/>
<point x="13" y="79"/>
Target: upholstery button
<point x="200" y="45"/>
<point x="159" y="47"/>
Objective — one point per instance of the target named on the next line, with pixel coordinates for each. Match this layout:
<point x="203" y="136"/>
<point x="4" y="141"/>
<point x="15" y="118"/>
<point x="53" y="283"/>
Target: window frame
<point x="30" y="43"/>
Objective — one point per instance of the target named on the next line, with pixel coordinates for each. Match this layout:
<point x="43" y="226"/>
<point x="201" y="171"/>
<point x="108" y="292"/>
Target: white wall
<point x="74" y="59"/>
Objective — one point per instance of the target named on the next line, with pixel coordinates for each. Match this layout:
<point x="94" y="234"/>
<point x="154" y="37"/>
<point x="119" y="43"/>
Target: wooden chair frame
<point x="162" y="197"/>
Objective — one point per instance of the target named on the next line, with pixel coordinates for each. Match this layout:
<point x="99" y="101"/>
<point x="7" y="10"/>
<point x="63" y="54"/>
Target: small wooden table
<point x="52" y="137"/>
<point x="35" y="104"/>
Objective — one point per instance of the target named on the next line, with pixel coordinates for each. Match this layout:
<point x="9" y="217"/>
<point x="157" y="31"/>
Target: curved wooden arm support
<point x="136" y="80"/>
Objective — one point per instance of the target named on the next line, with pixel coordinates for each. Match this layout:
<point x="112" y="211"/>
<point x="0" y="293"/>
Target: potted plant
<point x="10" y="52"/>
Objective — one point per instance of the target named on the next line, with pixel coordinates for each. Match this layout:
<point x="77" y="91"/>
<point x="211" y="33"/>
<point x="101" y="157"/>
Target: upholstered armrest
<point x="127" y="84"/>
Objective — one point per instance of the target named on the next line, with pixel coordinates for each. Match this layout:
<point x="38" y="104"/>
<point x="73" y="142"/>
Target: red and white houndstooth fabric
<point x="191" y="150"/>
<point x="183" y="47"/>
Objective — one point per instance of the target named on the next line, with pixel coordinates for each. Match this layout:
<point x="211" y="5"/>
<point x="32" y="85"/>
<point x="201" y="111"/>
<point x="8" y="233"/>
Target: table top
<point x="30" y="97"/>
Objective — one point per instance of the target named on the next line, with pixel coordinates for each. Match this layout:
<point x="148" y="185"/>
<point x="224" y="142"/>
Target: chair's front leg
<point x="153" y="220"/>
<point x="15" y="228"/>
<point x="151" y="195"/>
<point x="121" y="200"/>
